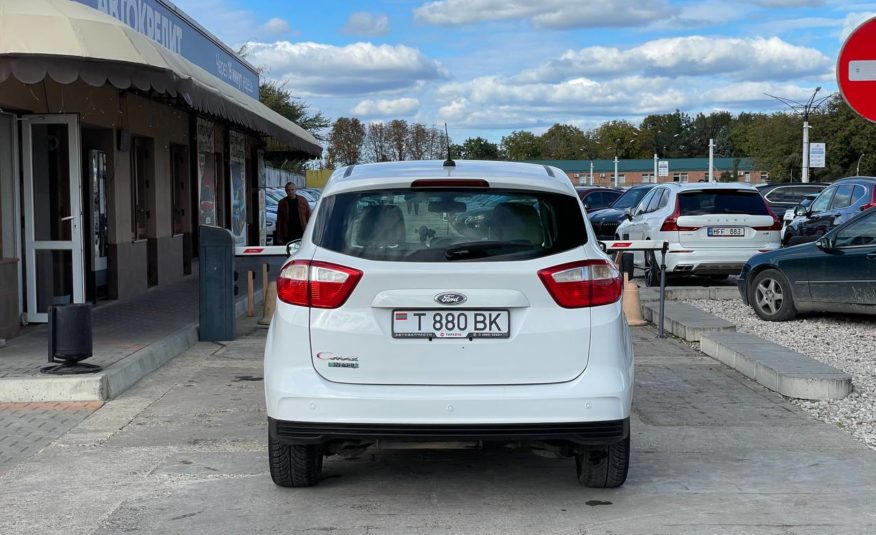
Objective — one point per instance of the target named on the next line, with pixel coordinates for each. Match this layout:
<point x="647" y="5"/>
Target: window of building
<point x="746" y="176"/>
<point x="683" y="177"/>
<point x="647" y="178"/>
<point x="676" y="177"/>
<point x="621" y="179"/>
<point x="764" y="176"/>
<point x="139" y="183"/>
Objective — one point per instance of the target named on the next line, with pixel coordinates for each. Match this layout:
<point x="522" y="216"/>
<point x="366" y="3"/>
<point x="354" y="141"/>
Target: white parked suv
<point x="454" y="306"/>
<point x="712" y="228"/>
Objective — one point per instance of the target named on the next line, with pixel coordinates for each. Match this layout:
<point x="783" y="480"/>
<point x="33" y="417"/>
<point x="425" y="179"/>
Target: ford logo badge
<point x="450" y="298"/>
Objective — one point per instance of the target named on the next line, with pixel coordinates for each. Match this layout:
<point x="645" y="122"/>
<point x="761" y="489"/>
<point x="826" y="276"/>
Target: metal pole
<point x="591" y="172"/>
<point x="804" y="174"/>
<point x="615" y="170"/>
<point x="654" y="178"/>
<point x="711" y="160"/>
<point x="858" y="167"/>
<point x="660" y="331"/>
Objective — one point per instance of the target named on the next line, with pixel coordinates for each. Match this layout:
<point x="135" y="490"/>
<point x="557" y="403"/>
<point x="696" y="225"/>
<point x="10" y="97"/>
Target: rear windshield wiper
<point x="484" y="249"/>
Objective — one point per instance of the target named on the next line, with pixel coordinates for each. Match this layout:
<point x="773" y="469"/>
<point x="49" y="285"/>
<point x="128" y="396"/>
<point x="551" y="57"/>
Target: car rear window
<point x="722" y="202"/>
<point x="445" y="225"/>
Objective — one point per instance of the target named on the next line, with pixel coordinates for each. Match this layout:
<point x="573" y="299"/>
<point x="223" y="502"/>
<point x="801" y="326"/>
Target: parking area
<point x="185" y="451"/>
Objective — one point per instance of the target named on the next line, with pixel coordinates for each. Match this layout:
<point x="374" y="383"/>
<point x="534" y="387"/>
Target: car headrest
<point x="381" y="226"/>
<point x="517" y="222"/>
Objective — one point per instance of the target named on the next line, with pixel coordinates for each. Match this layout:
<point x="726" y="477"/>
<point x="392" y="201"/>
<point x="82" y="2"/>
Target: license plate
<point x="727" y="232"/>
<point x="451" y="324"/>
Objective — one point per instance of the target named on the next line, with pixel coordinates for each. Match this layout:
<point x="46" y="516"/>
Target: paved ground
<point x="184" y="451"/>
<point x="123" y="328"/>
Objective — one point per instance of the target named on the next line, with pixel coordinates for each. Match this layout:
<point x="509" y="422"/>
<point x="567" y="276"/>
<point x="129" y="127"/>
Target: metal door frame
<point x="74" y="245"/>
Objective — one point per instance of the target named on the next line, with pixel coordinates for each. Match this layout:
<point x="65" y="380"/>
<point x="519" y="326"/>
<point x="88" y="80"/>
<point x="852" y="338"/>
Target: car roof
<point x="697" y="186"/>
<point x="857" y="180"/>
<point x="401" y="174"/>
<point x="775" y="185"/>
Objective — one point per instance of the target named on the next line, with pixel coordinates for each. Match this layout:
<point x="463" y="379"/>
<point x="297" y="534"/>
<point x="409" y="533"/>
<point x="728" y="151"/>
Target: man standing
<point x="292" y="215"/>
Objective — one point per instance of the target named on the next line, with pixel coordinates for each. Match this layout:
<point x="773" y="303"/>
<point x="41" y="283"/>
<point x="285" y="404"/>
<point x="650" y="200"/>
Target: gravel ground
<point x="847" y="342"/>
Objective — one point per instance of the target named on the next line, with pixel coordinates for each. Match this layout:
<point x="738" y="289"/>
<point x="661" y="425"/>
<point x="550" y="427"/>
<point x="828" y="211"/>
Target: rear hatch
<point x="725" y="218"/>
<point x="449" y="292"/>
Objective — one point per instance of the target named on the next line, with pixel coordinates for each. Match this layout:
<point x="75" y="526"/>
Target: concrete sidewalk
<point x="131" y="339"/>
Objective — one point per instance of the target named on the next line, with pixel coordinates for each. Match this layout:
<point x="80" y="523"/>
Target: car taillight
<point x="670" y="224"/>
<point x="872" y="203"/>
<point x="777" y="221"/>
<point x="583" y="284"/>
<point x="316" y="284"/>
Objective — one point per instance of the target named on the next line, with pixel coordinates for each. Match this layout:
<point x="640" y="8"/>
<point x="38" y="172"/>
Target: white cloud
<point x="748" y="59"/>
<point x="367" y="24"/>
<point x="493" y="102"/>
<point x="398" y="107"/>
<point x="852" y="21"/>
<point x="557" y="14"/>
<point x="356" y="69"/>
<point x="276" y="25"/>
<point x="791" y="3"/>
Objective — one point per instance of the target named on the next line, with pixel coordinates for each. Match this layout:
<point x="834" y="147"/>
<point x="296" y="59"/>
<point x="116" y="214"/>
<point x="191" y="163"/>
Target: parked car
<point x="273" y="197"/>
<point x="596" y="198"/>
<point x="832" y="274"/>
<point x="834" y="206"/>
<point x="790" y="214"/>
<point x="605" y="222"/>
<point x="384" y="333"/>
<point x="783" y="196"/>
<point x="712" y="229"/>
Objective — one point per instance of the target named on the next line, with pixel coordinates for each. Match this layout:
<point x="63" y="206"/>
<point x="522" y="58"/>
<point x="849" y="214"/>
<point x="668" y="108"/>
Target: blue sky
<point x="488" y="67"/>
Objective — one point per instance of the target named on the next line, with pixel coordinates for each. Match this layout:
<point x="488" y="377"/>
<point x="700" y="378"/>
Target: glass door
<point x="52" y="213"/>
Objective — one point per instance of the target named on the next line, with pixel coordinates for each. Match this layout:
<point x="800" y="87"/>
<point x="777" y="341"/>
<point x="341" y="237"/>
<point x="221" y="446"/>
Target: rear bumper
<point x="710" y="261"/>
<point x="583" y="433"/>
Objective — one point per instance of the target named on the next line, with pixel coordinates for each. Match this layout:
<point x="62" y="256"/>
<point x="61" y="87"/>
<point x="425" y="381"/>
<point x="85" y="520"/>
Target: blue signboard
<point x="164" y="23"/>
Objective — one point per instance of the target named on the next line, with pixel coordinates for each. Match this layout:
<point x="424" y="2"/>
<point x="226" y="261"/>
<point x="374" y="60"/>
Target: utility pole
<point x="615" y="170"/>
<point x="711" y="160"/>
<point x="654" y="178"/>
<point x="804" y="109"/>
<point x="591" y="172"/>
<point x="858" y="167"/>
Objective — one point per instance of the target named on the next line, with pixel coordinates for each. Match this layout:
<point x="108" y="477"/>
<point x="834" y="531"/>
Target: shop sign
<point x="168" y="26"/>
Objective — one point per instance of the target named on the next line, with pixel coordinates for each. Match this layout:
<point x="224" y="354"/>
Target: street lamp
<point x="858" y="167"/>
<point x="617" y="145"/>
<point x="804" y="109"/>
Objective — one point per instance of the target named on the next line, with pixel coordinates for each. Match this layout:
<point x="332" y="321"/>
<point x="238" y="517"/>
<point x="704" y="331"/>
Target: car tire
<point x="770" y="296"/>
<point x="604" y="467"/>
<point x="294" y="465"/>
<point x="652" y="269"/>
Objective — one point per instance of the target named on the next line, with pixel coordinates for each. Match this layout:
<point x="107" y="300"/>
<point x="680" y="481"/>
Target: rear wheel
<point x="604" y="467"/>
<point x="294" y="466"/>
<point x="771" y="296"/>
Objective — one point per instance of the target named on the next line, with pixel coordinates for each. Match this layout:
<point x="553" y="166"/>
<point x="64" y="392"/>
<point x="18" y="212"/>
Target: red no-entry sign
<point x="856" y="70"/>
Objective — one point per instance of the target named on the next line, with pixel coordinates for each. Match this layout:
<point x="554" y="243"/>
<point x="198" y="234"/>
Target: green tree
<point x="476" y="148"/>
<point x="564" y="142"/>
<point x="346" y="141"/>
<point x="617" y="138"/>
<point x="521" y="145"/>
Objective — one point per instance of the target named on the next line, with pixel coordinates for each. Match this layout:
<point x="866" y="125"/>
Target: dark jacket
<point x="283" y="210"/>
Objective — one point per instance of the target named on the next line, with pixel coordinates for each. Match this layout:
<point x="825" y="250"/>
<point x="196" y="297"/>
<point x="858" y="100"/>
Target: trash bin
<point x="216" y="284"/>
<point x="70" y="339"/>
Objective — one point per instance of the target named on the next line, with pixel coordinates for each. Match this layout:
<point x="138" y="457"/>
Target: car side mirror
<point x="799" y="210"/>
<point x="587" y="206"/>
<point x="628" y="213"/>
<point x="824" y="243"/>
<point x="292" y="247"/>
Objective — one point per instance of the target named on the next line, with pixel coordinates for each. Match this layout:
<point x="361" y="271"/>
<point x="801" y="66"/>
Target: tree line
<point x="772" y="140"/>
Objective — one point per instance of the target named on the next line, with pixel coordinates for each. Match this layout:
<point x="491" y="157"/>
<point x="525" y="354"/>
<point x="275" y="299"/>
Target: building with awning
<point x="124" y="125"/>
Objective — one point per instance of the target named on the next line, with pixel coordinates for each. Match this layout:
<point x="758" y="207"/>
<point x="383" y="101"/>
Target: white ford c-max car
<point x="712" y="228"/>
<point x="453" y="305"/>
